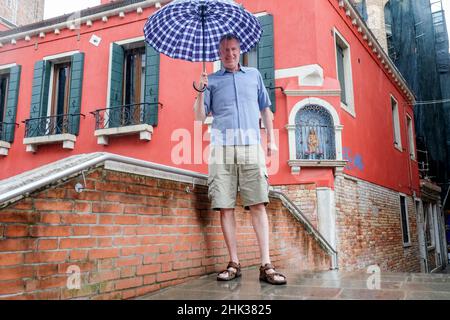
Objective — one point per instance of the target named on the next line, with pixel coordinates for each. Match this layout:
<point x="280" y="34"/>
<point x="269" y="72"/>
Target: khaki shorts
<point x="233" y="168"/>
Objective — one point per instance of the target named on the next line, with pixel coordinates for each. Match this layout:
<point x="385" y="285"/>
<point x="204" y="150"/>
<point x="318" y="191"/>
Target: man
<point x="236" y="96"/>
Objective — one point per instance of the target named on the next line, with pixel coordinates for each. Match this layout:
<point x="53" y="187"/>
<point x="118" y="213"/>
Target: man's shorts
<point x="237" y="167"/>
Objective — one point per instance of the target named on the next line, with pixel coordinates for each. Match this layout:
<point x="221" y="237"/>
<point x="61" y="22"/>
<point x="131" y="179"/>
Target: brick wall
<point x="304" y="196"/>
<point x="369" y="229"/>
<point x="22" y="12"/>
<point x="130" y="235"/>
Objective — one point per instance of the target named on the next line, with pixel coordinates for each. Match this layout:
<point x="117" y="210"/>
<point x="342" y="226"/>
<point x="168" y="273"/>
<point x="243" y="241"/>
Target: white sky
<point x="55" y="8"/>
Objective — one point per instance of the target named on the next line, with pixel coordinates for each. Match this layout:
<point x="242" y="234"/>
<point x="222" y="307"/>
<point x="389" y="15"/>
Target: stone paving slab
<point x="330" y="285"/>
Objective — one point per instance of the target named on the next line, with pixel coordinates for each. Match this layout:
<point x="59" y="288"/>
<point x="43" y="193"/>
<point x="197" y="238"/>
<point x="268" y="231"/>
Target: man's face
<point x="229" y="54"/>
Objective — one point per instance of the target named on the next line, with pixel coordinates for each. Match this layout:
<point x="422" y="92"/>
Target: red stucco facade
<point x="303" y="35"/>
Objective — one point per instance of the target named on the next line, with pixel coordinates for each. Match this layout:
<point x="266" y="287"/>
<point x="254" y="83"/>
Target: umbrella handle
<point x="199" y="90"/>
<point x="204" y="70"/>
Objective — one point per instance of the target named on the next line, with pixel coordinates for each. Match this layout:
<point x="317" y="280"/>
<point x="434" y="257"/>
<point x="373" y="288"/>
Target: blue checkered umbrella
<point x="191" y="29"/>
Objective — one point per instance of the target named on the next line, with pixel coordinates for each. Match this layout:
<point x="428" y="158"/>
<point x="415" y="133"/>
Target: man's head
<point x="230" y="52"/>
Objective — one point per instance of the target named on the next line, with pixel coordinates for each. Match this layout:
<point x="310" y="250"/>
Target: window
<point x="3" y="98"/>
<point x="3" y="95"/>
<point x="55" y="100"/>
<point x="134" y="83"/>
<point x="250" y="59"/>
<point x="404" y="221"/>
<point x="134" y="76"/>
<point x="396" y="124"/>
<point x="9" y="92"/>
<point x="314" y="134"/>
<point x="412" y="148"/>
<point x="344" y="73"/>
<point x="59" y="99"/>
<point x="133" y="87"/>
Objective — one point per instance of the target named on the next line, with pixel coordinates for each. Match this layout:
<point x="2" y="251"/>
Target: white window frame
<point x="348" y="72"/>
<point x="5" y="68"/>
<point x="50" y="88"/>
<point x="405" y="244"/>
<point x="396" y="124"/>
<point x="411" y="142"/>
<point x="338" y="127"/>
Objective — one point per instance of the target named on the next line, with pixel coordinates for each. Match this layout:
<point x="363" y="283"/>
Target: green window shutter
<point x="151" y="85"/>
<point x="76" y="85"/>
<point x="11" y="103"/>
<point x="39" y="95"/>
<point x="266" y="63"/>
<point x="46" y="88"/>
<point x="116" y="89"/>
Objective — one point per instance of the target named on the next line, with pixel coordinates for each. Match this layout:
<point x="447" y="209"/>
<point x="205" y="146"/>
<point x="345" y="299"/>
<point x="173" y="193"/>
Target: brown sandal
<point x="270" y="277"/>
<point x="231" y="274"/>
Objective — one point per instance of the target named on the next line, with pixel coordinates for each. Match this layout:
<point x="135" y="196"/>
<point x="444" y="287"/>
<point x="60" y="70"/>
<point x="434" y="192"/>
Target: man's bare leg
<point x="228" y="223"/>
<point x="261" y="226"/>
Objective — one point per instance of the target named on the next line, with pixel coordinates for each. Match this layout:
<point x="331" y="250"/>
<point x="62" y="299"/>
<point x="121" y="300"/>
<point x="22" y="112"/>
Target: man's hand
<point x="271" y="148"/>
<point x="267" y="117"/>
<point x="203" y="80"/>
<point x="199" y="109"/>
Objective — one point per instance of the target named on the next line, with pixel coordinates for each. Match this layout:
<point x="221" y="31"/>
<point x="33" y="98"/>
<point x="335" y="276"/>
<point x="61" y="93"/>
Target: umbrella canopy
<point x="191" y="29"/>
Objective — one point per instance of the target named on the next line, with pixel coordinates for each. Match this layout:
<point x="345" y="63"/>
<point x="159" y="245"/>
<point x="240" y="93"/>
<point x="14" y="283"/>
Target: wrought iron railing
<point x="315" y="142"/>
<point x="47" y="126"/>
<point x="122" y="116"/>
<point x="6" y="129"/>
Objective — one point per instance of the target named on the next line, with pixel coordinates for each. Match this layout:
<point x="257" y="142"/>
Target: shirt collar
<point x="222" y="71"/>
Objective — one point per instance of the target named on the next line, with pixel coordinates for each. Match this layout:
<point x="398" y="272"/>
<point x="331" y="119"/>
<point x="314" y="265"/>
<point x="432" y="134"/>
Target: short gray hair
<point x="228" y="37"/>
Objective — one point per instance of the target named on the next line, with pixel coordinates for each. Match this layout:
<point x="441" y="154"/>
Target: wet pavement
<point x="334" y="285"/>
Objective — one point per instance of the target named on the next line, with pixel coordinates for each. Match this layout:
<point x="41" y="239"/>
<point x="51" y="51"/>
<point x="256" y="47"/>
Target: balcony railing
<point x="122" y="116"/>
<point x="52" y="125"/>
<point x="5" y="130"/>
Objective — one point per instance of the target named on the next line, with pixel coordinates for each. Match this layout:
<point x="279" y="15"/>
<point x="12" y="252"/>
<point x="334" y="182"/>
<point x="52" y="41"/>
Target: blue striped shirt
<point x="235" y="100"/>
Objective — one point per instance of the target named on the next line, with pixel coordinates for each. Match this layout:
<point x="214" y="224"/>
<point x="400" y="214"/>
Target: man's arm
<point x="267" y="117"/>
<point x="199" y="107"/>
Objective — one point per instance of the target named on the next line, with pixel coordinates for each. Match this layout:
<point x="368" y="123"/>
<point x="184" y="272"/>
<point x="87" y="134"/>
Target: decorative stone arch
<point x="337" y="129"/>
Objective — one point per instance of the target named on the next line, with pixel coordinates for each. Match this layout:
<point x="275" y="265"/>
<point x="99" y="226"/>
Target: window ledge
<point x="4" y="148"/>
<point x="68" y="140"/>
<point x="349" y="109"/>
<point x="398" y="147"/>
<point x="297" y="164"/>
<point x="318" y="92"/>
<point x="145" y="132"/>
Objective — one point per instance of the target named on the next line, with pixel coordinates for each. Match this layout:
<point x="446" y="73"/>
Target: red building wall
<point x="303" y="36"/>
<point x="130" y="235"/>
